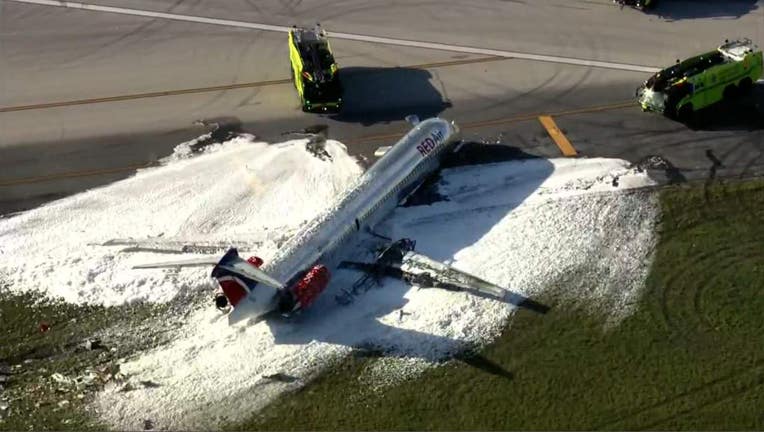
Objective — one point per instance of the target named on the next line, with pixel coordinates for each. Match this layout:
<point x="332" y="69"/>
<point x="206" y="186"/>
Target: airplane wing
<point x="422" y="271"/>
<point x="234" y="265"/>
<point x="192" y="262"/>
<point x="417" y="263"/>
<point x="400" y="261"/>
<point x="174" y="246"/>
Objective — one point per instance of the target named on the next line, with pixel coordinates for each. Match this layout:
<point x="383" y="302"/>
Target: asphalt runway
<point x="86" y="97"/>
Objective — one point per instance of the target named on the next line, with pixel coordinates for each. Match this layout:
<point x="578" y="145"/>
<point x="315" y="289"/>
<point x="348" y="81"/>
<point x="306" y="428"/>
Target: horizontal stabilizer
<point x="232" y="264"/>
<point x="254" y="273"/>
<point x="193" y="262"/>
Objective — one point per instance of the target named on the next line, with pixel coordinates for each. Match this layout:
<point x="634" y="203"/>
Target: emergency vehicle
<point x="314" y="72"/>
<point x="690" y="85"/>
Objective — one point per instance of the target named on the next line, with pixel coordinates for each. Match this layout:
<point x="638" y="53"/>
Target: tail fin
<point x="235" y="285"/>
<point x="238" y="278"/>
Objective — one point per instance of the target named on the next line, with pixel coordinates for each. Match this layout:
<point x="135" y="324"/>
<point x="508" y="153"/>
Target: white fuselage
<point x="378" y="191"/>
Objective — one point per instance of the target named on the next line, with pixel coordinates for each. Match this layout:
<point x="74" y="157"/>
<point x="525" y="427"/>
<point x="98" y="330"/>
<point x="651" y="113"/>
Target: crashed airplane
<point x="248" y="291"/>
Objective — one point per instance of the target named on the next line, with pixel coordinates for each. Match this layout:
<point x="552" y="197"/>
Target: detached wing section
<point x="423" y="267"/>
<point x="400" y="261"/>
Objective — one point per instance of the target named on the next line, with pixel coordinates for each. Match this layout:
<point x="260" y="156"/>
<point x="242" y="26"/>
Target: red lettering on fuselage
<point x="426" y="146"/>
<point x="429" y="143"/>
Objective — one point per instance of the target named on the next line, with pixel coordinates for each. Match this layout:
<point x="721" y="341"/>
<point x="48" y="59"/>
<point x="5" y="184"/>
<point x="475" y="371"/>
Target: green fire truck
<point x="688" y="86"/>
<point x="314" y="72"/>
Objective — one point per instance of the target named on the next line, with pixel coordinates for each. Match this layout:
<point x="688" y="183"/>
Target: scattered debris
<point x="657" y="162"/>
<point x="317" y="136"/>
<point x="61" y="379"/>
<point x="4" y="406"/>
<point x="126" y="387"/>
<point x="93" y="344"/>
<point x="88" y="379"/>
<point x="281" y="377"/>
<point x="316" y="146"/>
<point x="220" y="130"/>
<point x="63" y="403"/>
<point x="149" y="384"/>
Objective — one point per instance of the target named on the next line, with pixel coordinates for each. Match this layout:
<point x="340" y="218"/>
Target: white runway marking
<point x="348" y="36"/>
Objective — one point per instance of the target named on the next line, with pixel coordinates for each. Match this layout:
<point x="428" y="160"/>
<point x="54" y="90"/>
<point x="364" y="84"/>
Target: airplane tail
<point x="238" y="278"/>
<point x="234" y="282"/>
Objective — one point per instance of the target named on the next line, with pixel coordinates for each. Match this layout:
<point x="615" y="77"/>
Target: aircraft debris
<point x="281" y="377"/>
<point x="61" y="379"/>
<point x="92" y="344"/>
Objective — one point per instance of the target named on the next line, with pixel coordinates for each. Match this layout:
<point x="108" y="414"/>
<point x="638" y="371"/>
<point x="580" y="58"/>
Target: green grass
<point x="691" y="357"/>
<point x="34" y="356"/>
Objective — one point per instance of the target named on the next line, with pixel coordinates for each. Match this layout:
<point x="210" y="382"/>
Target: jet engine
<point x="305" y="291"/>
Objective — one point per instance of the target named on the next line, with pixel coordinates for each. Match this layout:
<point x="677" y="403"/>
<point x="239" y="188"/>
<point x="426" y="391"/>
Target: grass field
<point x="691" y="357"/>
<point x="35" y="399"/>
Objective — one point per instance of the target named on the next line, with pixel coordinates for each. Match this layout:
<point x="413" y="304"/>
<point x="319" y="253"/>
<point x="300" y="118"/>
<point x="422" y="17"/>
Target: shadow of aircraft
<point x="675" y="10"/>
<point x="440" y="233"/>
<point x="379" y="95"/>
<point x="468" y="356"/>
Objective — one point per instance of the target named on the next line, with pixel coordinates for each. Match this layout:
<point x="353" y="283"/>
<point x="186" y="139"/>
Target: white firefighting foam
<point x="521" y="224"/>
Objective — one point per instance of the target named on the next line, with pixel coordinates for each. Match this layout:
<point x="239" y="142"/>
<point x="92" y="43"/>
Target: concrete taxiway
<point x="88" y="96"/>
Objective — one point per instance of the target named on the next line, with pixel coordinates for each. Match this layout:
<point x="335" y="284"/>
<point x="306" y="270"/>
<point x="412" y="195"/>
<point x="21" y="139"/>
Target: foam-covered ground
<point x="243" y="192"/>
<point x="527" y="225"/>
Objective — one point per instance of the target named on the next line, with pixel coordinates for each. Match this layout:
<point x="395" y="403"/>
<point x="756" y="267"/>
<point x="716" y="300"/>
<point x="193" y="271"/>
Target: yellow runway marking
<point x="503" y="120"/>
<point x="559" y="138"/>
<point x="246" y="85"/>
